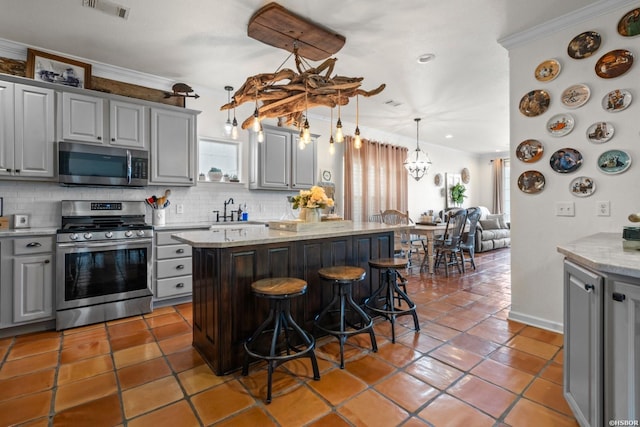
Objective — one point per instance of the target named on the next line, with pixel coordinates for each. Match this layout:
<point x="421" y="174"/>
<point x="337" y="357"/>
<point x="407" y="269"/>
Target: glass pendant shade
<point x="228" y="127"/>
<point x="234" y="128"/>
<point x="339" y="134"/>
<point x="418" y="162"/>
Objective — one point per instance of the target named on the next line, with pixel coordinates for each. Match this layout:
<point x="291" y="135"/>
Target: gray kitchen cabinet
<point x="278" y="163"/>
<point x="27" y="275"/>
<point x="27" y="148"/>
<point x="173" y="147"/>
<point x="173" y="267"/>
<point x="128" y="125"/>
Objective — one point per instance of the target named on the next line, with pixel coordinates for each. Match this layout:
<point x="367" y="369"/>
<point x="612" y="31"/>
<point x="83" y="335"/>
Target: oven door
<point x="90" y="273"/>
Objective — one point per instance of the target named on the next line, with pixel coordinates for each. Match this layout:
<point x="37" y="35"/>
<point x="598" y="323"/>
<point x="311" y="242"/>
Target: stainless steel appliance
<point x="103" y="262"/>
<point x="85" y="164"/>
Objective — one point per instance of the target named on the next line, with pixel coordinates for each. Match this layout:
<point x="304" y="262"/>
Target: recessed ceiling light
<point x="448" y="136"/>
<point x="427" y="57"/>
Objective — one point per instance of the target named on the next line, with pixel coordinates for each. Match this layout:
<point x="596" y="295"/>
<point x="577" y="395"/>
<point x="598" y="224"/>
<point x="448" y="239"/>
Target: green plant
<point x="457" y="193"/>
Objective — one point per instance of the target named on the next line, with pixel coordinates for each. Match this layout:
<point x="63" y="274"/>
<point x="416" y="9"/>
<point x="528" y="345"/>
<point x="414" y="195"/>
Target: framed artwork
<point x="50" y="68"/>
<point x="451" y="179"/>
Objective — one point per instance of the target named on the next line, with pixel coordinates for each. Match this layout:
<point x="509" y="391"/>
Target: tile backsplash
<point x="42" y="201"/>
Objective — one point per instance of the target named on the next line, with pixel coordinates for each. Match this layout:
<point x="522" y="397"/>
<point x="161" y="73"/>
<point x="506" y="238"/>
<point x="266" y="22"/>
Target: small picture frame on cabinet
<point x="50" y="68"/>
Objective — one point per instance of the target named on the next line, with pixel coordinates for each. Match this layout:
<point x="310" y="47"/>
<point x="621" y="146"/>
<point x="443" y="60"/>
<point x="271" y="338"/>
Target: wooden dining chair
<point x="448" y="251"/>
<point x="405" y="243"/>
<point x="469" y="241"/>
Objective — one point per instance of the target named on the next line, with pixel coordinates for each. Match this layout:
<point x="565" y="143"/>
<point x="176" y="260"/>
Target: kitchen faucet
<point x="224" y="215"/>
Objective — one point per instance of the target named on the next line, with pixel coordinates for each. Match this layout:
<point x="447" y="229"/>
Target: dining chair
<point x="447" y="251"/>
<point x="468" y="243"/>
<point x="405" y="243"/>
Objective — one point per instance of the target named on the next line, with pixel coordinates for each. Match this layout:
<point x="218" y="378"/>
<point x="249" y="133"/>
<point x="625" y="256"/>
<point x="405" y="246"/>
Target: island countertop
<point x="603" y="252"/>
<point x="234" y="236"/>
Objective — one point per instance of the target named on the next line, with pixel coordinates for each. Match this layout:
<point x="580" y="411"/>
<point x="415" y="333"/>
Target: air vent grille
<point x="392" y="103"/>
<point x="107" y="7"/>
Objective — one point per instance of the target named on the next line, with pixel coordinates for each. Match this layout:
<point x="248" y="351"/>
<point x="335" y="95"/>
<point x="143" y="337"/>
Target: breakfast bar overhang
<point x="227" y="260"/>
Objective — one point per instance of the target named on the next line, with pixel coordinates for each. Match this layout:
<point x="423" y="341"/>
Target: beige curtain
<point x="498" y="186"/>
<point x="375" y="179"/>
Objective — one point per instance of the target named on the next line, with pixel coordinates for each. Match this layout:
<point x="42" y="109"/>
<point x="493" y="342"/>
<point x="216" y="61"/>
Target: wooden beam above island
<point x="226" y="260"/>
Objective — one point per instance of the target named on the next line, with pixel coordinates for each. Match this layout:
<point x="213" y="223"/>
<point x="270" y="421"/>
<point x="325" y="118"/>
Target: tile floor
<point x="468" y="366"/>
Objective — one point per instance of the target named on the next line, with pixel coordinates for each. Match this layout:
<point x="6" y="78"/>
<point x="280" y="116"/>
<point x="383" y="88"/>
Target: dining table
<point x="430" y="232"/>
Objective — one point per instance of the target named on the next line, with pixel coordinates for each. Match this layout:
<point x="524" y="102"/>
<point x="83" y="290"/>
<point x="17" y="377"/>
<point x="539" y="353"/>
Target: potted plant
<point x="215" y="174"/>
<point x="457" y="193"/>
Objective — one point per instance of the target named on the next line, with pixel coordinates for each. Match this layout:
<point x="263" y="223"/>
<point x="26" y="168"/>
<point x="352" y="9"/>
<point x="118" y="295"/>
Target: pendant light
<point x="357" y="142"/>
<point x="332" y="147"/>
<point x="339" y="134"/>
<point x="256" y="117"/>
<point x="418" y="162"/>
<point x="228" y="127"/>
<point x="234" y="128"/>
<point x="306" y="132"/>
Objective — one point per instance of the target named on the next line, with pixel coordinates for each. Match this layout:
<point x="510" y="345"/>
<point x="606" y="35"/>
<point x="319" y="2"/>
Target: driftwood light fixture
<point x="286" y="94"/>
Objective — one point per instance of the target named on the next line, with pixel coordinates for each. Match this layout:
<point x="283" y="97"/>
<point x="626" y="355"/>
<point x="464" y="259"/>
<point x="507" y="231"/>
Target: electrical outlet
<point x="604" y="208"/>
<point x="180" y="208"/>
<point x="565" y="209"/>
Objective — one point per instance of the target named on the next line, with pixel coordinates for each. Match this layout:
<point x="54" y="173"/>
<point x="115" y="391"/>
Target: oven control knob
<point x="128" y="233"/>
<point x="140" y="233"/>
<point x="73" y="236"/>
<point x="88" y="236"/>
<point x="108" y="234"/>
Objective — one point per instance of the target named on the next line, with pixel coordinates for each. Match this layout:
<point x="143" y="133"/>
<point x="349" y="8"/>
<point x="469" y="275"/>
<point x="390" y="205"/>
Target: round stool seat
<point x="342" y="273"/>
<point x="394" y="263"/>
<point x="279" y="287"/>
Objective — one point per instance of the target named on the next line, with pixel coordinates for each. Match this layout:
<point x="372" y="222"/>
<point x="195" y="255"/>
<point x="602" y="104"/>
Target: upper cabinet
<point x="83" y="119"/>
<point x="27" y="148"/>
<point x="173" y="147"/>
<point x="278" y="163"/>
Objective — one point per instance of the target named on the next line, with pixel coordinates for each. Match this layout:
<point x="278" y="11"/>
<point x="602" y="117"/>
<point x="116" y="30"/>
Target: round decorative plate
<point x="582" y="186"/>
<point x="534" y="103"/>
<point x="326" y="175"/>
<point x="437" y="179"/>
<point x="629" y="24"/>
<point x="613" y="64"/>
<point x="614" y="161"/>
<point x="560" y="124"/>
<point x="466" y="177"/>
<point x="600" y="132"/>
<point x="547" y="70"/>
<point x="529" y="151"/>
<point x="584" y="45"/>
<point x="575" y="96"/>
<point x="616" y="100"/>
<point x="566" y="160"/>
<point x="531" y="182"/>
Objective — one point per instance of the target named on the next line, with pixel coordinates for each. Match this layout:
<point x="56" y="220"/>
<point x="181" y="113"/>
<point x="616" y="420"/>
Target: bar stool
<point x="279" y="291"/>
<point x="349" y="313"/>
<point x="383" y="300"/>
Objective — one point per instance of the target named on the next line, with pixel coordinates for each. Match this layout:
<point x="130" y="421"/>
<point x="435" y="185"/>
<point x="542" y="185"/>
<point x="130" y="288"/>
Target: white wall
<point x="536" y="273"/>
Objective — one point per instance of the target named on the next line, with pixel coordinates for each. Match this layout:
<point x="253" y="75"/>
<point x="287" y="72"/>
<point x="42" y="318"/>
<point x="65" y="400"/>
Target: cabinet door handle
<point x="180" y="267"/>
<point x="589" y="287"/>
<point x="180" y="285"/>
<point x="99" y="138"/>
<point x="113" y="140"/>
<point x="46" y="261"/>
<point x="179" y="251"/>
<point x="34" y="245"/>
<point x="17" y="170"/>
<point x="618" y="297"/>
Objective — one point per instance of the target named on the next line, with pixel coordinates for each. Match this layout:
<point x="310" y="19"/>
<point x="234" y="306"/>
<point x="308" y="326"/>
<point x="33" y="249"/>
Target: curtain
<point x="498" y="186"/>
<point x="375" y="179"/>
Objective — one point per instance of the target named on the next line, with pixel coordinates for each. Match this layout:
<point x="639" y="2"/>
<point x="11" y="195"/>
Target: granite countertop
<point x="38" y="231"/>
<point x="226" y="237"/>
<point x="603" y="252"/>
<point x="203" y="225"/>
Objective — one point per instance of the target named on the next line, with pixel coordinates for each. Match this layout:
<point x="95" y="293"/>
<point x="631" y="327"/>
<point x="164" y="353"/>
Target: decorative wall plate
<point x="614" y="161"/>
<point x="582" y="186"/>
<point x="437" y="179"/>
<point x="547" y="70"/>
<point x="566" y="160"/>
<point x="613" y="64"/>
<point x="466" y="177"/>
<point x="616" y="100"/>
<point x="629" y="24"/>
<point x="584" y="45"/>
<point x="531" y="182"/>
<point x="529" y="151"/>
<point x="575" y="96"/>
<point x="600" y="132"/>
<point x="560" y="124"/>
<point x="534" y="103"/>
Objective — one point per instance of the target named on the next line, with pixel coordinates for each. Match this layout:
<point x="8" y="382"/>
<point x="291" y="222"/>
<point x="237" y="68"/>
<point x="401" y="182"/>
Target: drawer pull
<point x="34" y="245"/>
<point x="180" y="267"/>
<point x="180" y="285"/>
<point x="180" y="251"/>
<point x="589" y="287"/>
<point x="618" y="297"/>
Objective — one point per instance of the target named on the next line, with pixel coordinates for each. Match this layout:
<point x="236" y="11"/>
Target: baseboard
<point x="537" y="322"/>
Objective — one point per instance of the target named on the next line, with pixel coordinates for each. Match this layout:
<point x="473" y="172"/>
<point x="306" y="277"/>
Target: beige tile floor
<point x="468" y="366"/>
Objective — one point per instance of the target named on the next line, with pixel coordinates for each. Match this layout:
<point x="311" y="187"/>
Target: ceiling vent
<point x="392" y="103"/>
<point x="108" y="8"/>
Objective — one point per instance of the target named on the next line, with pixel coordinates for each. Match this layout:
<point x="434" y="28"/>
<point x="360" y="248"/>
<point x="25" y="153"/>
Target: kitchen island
<point x="227" y="260"/>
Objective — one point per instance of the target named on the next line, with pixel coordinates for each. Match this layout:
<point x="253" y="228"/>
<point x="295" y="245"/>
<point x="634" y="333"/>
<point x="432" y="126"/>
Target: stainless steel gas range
<point x="103" y="262"/>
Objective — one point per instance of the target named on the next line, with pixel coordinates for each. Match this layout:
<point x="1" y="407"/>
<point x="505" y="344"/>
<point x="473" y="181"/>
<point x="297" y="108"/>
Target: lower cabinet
<point x="27" y="277"/>
<point x="173" y="267"/>
<point x="601" y="346"/>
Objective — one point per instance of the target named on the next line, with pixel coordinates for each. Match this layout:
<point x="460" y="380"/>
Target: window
<point x="507" y="188"/>
<point x="220" y="154"/>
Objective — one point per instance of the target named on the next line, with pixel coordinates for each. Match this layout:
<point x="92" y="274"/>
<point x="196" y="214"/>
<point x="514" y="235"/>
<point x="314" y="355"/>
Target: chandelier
<point x="418" y="162"/>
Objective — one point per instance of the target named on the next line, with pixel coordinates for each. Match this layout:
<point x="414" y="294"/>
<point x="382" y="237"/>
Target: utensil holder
<point x="159" y="217"/>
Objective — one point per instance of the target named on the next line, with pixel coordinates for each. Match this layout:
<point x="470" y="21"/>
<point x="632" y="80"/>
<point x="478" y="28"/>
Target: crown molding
<point x="562" y="22"/>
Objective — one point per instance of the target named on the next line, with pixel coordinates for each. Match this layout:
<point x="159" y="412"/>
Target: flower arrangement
<point x="313" y="198"/>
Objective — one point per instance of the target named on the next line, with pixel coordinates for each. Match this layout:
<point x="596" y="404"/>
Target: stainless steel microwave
<point x="84" y="164"/>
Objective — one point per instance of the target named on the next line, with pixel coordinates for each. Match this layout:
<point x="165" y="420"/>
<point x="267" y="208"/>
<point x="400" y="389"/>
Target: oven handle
<point x="103" y="244"/>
